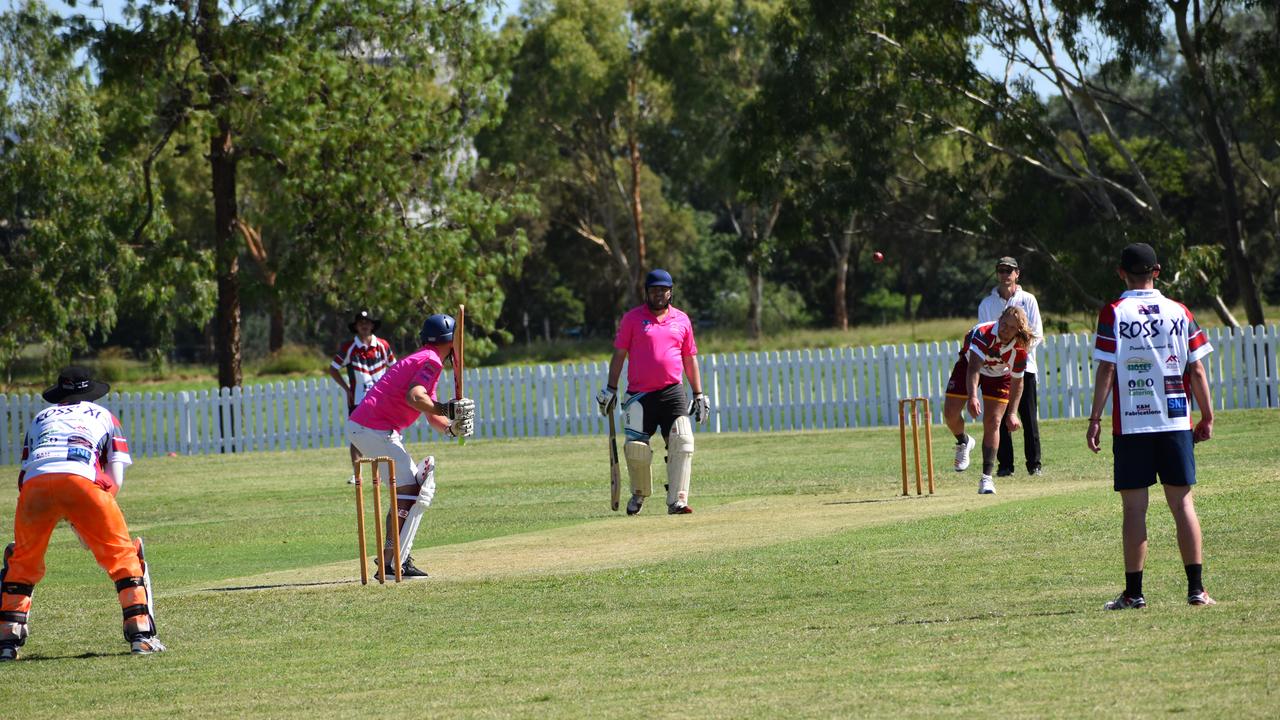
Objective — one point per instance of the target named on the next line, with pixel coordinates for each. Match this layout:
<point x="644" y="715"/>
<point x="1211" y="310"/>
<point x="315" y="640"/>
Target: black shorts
<point x="645" y="412"/>
<point x="1141" y="457"/>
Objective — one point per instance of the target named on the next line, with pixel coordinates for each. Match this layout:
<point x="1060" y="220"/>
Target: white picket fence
<point x="750" y="392"/>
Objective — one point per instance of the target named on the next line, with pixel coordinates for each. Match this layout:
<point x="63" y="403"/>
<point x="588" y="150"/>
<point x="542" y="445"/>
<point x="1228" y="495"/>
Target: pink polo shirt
<point x="384" y="407"/>
<point x="655" y="348"/>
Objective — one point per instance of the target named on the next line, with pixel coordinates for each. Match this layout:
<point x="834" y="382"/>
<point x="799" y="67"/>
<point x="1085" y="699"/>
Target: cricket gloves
<point x="700" y="408"/>
<point x="460" y="409"/>
<point x="607" y="398"/>
<point x="462" y="427"/>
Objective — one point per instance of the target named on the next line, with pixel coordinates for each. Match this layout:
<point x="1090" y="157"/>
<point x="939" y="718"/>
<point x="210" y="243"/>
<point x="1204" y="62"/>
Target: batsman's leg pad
<point x="136" y="600"/>
<point x="639" y="458"/>
<point x="410" y="519"/>
<point x="679" y="461"/>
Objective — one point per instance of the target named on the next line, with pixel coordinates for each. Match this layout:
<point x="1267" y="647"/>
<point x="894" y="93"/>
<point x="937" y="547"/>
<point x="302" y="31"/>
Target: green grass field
<point x="802" y="587"/>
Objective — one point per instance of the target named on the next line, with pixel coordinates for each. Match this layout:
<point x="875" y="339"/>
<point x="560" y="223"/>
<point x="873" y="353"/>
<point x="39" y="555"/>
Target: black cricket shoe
<point x="1004" y="472"/>
<point x="8" y="652"/>
<point x="407" y="571"/>
<point x="634" y="504"/>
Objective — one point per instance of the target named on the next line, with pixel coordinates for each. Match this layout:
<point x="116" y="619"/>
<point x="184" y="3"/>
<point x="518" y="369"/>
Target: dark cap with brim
<point x="364" y="315"/>
<point x="75" y="384"/>
<point x="1007" y="261"/>
<point x="1138" y="259"/>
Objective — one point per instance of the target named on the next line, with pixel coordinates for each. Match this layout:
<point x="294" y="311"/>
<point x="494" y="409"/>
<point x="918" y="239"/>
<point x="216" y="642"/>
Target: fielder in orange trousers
<point x="73" y="462"/>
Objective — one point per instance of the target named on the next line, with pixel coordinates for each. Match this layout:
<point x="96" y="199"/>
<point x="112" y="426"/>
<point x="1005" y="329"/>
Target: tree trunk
<point x="841" y="248"/>
<point x="637" y="212"/>
<point x="755" y="299"/>
<point x="222" y="164"/>
<point x="1211" y="122"/>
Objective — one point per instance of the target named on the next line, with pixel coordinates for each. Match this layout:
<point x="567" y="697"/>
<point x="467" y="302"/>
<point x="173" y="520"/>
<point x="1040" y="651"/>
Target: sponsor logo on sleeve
<point x="1177" y="407"/>
<point x="1173" y="385"/>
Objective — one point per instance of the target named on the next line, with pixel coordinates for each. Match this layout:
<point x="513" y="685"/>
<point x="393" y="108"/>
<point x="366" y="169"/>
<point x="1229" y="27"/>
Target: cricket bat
<point x="459" y="333"/>
<point x="615" y="476"/>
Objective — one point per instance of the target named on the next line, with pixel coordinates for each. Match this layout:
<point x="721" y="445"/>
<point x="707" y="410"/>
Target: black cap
<point x="75" y="384"/>
<point x="1007" y="261"/>
<point x="364" y="315"/>
<point x="1138" y="259"/>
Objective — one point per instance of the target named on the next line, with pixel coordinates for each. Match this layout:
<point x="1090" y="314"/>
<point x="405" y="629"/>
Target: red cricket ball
<point x="877" y="256"/>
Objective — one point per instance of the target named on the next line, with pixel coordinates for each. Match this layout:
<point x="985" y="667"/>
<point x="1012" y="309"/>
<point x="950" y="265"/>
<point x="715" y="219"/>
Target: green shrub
<point x="292" y="360"/>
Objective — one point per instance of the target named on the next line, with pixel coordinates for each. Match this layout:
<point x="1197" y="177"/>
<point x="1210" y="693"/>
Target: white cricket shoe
<point x="146" y="645"/>
<point x="962" y="453"/>
<point x="986" y="486"/>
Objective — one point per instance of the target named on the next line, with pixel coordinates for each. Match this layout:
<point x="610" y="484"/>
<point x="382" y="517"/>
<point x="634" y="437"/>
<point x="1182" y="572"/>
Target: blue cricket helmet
<point x="657" y="278"/>
<point x="436" y="329"/>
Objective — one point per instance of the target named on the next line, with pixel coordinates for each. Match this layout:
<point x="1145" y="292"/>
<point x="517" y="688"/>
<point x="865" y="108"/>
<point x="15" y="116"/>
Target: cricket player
<point x="988" y="378"/>
<point x="407" y="390"/>
<point x="359" y="363"/>
<point x="656" y="341"/>
<point x="73" y="462"/>
<point x="1148" y="350"/>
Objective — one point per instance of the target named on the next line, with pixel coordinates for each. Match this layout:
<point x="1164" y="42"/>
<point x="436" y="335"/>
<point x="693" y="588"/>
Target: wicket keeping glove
<point x="700" y="408"/>
<point x="607" y="398"/>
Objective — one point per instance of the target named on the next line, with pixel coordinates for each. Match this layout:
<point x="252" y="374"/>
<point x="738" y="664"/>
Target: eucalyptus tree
<point x="336" y="138"/>
<point x="69" y="262"/>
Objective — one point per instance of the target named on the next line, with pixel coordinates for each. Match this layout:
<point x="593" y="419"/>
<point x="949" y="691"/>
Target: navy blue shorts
<point x="1140" y="458"/>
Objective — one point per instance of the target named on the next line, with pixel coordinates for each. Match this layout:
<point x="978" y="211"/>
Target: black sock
<point x="988" y="459"/>
<point x="1194" y="583"/>
<point x="962" y="438"/>
<point x="1133" y="584"/>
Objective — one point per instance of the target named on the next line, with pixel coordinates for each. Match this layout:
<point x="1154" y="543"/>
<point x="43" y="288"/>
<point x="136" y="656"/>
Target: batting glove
<point x="462" y="427"/>
<point x="607" y="398"/>
<point x="700" y="408"/>
<point x="460" y="408"/>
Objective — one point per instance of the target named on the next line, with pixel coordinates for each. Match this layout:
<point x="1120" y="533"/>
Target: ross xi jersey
<point x="998" y="361"/>
<point x="78" y="438"/>
<point x="365" y="364"/>
<point x="1151" y="339"/>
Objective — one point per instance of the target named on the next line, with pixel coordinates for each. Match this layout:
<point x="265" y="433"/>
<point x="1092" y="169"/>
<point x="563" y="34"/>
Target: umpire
<point x="1008" y="293"/>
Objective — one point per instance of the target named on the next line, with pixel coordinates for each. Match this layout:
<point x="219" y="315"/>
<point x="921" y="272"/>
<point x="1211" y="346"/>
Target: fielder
<point x="408" y="390"/>
<point x="1148" y="349"/>
<point x="657" y="339"/>
<point x="365" y="359"/>
<point x="73" y="461"/>
<point x="988" y="378"/>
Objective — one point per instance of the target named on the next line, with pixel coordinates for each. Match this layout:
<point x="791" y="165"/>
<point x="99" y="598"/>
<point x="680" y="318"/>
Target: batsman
<point x="656" y="342"/>
<point x="393" y="404"/>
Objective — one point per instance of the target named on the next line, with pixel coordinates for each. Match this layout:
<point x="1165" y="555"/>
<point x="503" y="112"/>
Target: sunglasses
<point x="1006" y="269"/>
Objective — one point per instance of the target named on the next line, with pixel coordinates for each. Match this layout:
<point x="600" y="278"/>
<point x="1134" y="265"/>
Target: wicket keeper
<point x="73" y="461"/>
<point x="656" y="342"/>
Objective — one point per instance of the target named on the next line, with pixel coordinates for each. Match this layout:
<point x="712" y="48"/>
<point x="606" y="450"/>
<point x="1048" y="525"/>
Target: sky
<point x="988" y="61"/>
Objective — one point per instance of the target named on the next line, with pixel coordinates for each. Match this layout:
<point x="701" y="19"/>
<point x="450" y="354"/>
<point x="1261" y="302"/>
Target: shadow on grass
<point x="280" y="585"/>
<point x="896" y="498"/>
<point x="82" y="656"/>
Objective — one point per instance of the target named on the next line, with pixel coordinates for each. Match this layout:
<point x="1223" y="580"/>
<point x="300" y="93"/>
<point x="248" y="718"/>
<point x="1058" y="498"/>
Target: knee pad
<point x="679" y="460"/>
<point x="135" y="598"/>
<point x="639" y="457"/>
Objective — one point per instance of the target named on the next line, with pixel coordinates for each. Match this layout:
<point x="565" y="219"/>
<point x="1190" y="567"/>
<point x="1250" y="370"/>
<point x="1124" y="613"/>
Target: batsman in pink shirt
<point x="656" y="342"/>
